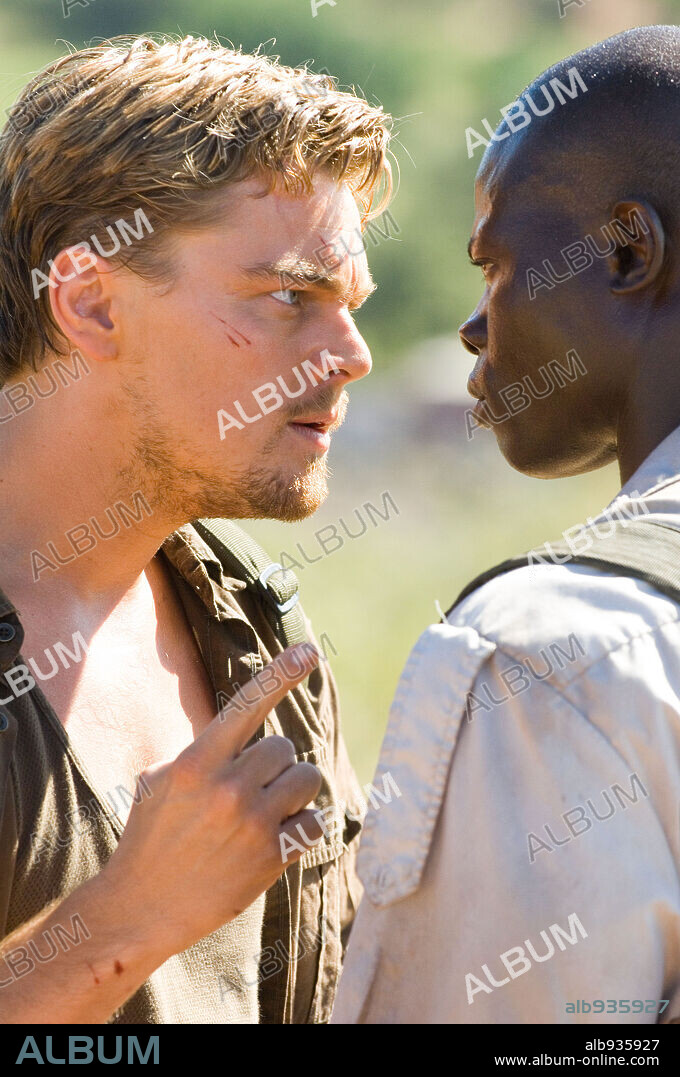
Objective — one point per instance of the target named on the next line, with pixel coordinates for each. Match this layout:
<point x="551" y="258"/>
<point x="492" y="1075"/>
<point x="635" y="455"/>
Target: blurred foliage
<point x="438" y="67"/>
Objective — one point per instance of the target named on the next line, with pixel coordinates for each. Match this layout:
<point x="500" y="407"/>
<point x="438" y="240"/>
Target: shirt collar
<point x="660" y="468"/>
<point x="191" y="556"/>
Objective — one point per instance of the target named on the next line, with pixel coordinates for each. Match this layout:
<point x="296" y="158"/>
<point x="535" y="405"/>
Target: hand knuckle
<point x="285" y="748"/>
<point x="229" y="797"/>
<point x="186" y="772"/>
<point x="309" y="775"/>
<point x="258" y="827"/>
<point x="151" y="776"/>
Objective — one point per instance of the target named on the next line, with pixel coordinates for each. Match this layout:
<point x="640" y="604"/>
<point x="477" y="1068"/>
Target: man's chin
<point x="289" y="499"/>
<point x="519" y="450"/>
<point x="549" y="459"/>
<point x="305" y="495"/>
<point x="263" y="494"/>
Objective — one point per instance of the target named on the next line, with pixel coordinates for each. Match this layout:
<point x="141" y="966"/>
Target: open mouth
<point x="315" y="433"/>
<point x="321" y="422"/>
<point x="321" y="427"/>
<point x="316" y="427"/>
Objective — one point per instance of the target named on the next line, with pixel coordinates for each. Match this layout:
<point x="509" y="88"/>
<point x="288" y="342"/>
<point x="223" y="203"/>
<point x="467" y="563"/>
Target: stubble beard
<point x="181" y="493"/>
<point x="272" y="496"/>
<point x="265" y="490"/>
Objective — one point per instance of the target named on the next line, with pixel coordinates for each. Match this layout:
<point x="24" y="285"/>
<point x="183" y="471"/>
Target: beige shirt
<point x="530" y="864"/>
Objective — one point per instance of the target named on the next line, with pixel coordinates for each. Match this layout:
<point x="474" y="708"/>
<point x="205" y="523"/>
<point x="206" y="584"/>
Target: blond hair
<point x="159" y="126"/>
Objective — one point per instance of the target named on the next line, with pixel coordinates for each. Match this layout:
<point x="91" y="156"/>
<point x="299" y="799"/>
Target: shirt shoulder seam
<point x="560" y="694"/>
<point x="582" y="670"/>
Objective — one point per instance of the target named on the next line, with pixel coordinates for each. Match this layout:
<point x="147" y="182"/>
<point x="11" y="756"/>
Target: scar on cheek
<point x="325" y="243"/>
<point x="231" y="330"/>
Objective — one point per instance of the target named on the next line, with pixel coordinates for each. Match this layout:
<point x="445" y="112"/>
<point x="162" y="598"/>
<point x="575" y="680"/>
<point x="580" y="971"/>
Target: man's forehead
<point x="508" y="195"/>
<point x="491" y="183"/>
<point x="313" y="238"/>
<point x="275" y="225"/>
<point x="318" y="233"/>
<point x="502" y="224"/>
<point x="328" y="204"/>
<point x="485" y="215"/>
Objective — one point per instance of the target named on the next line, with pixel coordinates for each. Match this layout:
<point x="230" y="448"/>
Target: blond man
<point x="173" y="215"/>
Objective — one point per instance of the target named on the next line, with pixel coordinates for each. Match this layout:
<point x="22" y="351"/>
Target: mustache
<point x="324" y="401"/>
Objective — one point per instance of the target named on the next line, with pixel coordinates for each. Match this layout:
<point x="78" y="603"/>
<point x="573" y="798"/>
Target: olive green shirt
<point x="279" y="961"/>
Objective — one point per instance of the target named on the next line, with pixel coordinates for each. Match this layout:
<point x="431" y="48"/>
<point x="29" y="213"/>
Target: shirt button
<point x="4" y="724"/>
<point x="7" y="632"/>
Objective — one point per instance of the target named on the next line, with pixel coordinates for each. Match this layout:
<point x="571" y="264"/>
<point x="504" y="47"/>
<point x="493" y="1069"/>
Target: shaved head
<point x="623" y="133"/>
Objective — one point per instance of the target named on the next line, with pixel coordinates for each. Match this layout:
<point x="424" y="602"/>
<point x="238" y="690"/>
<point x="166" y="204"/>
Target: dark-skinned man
<point x="529" y="870"/>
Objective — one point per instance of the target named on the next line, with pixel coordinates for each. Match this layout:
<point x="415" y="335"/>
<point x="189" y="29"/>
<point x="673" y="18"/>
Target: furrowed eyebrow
<point x="299" y="270"/>
<point x="304" y="272"/>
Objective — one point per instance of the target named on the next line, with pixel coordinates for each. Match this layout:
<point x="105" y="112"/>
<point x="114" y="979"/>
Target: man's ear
<point x="82" y="299"/>
<point x="640" y="246"/>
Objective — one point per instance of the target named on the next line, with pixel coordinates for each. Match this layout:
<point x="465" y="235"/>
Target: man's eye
<point x="289" y="296"/>
<point x="484" y="266"/>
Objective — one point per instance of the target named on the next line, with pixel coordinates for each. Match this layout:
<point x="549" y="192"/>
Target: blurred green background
<point x="439" y="67"/>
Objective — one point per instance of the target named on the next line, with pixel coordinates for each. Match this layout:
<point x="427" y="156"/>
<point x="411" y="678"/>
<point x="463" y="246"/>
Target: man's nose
<point x="351" y="354"/>
<point x="473" y="333"/>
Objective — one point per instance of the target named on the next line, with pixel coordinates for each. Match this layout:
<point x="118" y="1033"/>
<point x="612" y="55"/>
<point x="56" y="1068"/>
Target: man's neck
<point x="76" y="520"/>
<point x="649" y="418"/>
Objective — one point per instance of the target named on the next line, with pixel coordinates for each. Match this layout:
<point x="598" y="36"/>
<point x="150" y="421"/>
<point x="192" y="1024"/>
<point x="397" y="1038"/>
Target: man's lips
<point x="475" y="388"/>
<point x="475" y="383"/>
<point x="323" y="423"/>
<point x="479" y="412"/>
<point x="316" y="429"/>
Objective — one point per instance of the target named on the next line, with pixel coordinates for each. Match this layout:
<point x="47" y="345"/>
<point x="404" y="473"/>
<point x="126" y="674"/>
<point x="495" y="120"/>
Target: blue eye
<point x="287" y="295"/>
